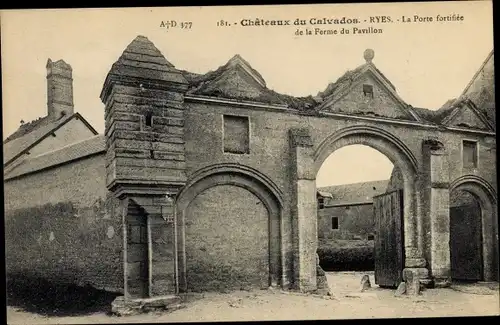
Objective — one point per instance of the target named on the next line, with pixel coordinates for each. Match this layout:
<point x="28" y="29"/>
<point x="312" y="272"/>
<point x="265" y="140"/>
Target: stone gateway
<point x="207" y="182"/>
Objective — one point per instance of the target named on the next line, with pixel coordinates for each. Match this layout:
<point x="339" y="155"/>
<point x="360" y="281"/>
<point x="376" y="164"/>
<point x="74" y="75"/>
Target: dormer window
<point x="368" y="91"/>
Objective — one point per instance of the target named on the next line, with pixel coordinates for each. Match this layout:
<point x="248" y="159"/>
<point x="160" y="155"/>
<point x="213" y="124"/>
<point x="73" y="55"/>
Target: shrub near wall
<point x="65" y="244"/>
<point x="348" y="255"/>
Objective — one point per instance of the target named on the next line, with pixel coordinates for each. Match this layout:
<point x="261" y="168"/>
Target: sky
<point x="428" y="63"/>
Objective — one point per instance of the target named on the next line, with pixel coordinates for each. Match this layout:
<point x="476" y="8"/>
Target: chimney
<point x="59" y="89"/>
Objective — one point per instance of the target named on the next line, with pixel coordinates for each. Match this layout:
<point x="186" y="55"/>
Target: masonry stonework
<point x="69" y="231"/>
<point x="354" y="222"/>
<point x="80" y="182"/>
<point x="213" y="220"/>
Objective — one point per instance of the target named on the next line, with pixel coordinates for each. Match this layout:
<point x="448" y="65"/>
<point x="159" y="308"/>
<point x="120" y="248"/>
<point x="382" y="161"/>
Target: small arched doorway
<point x="465" y="236"/>
<point x="482" y="215"/>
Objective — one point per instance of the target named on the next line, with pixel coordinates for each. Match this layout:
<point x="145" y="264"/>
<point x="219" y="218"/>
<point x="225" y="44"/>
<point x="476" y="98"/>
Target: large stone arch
<point x="242" y="177"/>
<point x="400" y="155"/>
<point x="487" y="197"/>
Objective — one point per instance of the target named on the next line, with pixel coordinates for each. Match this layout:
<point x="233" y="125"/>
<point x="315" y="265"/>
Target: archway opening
<point x="466" y="242"/>
<point x="346" y="183"/>
<point x="393" y="210"/>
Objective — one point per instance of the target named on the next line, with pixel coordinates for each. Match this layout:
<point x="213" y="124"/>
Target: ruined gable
<point x="481" y="88"/>
<point x="234" y="83"/>
<point x="365" y="91"/>
<point x="369" y="97"/>
<point x="236" y="80"/>
<point x="467" y="117"/>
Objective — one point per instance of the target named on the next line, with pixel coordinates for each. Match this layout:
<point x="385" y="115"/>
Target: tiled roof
<point x="354" y="193"/>
<point x="141" y="59"/>
<point x="27" y="128"/>
<point x="27" y="136"/>
<point x="90" y="146"/>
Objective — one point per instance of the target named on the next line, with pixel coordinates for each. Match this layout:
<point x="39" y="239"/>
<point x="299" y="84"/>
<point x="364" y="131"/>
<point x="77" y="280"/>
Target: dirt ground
<point x="348" y="303"/>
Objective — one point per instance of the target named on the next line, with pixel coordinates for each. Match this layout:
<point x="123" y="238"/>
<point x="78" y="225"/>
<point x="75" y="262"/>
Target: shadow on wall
<point x="40" y="296"/>
<point x="56" y="253"/>
<point x="64" y="244"/>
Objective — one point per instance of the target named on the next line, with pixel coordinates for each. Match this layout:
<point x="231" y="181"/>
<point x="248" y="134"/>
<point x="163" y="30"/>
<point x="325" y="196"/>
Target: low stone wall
<point x="65" y="244"/>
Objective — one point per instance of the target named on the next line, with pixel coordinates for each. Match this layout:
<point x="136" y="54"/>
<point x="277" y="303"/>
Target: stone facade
<point x="197" y="214"/>
<point x="345" y="212"/>
<point x="355" y="222"/>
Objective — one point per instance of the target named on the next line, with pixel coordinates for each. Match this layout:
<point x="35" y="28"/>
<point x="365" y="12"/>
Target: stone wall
<point x="80" y="182"/>
<point x="65" y="244"/>
<point x="269" y="143"/>
<point x="227" y="241"/>
<point x="354" y="222"/>
<point x="269" y="149"/>
<point x="62" y="225"/>
<point x="83" y="183"/>
<point x="355" y="102"/>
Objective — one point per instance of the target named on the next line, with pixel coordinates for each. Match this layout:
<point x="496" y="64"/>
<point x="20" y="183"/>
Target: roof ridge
<point x="19" y="147"/>
<point x="74" y="151"/>
<point x="66" y="146"/>
<point x="366" y="182"/>
<point x="34" y="124"/>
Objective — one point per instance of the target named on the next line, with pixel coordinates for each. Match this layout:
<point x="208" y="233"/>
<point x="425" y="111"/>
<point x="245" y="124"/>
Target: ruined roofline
<point x="211" y="83"/>
<point x="462" y="94"/>
<point x="154" y="59"/>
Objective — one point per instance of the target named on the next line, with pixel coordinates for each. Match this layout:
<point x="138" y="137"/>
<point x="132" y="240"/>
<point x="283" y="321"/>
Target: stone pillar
<point x="439" y="213"/>
<point x="415" y="270"/>
<point x="304" y="210"/>
<point x="162" y="244"/>
<point x="123" y="214"/>
<point x="413" y="255"/>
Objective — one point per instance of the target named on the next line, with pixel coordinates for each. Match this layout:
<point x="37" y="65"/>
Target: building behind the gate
<point x="207" y="182"/>
<point x="346" y="211"/>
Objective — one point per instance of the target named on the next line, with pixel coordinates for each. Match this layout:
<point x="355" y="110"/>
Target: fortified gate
<point x="216" y="173"/>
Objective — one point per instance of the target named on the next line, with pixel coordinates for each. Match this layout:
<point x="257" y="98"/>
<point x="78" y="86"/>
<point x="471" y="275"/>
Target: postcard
<point x="235" y="163"/>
